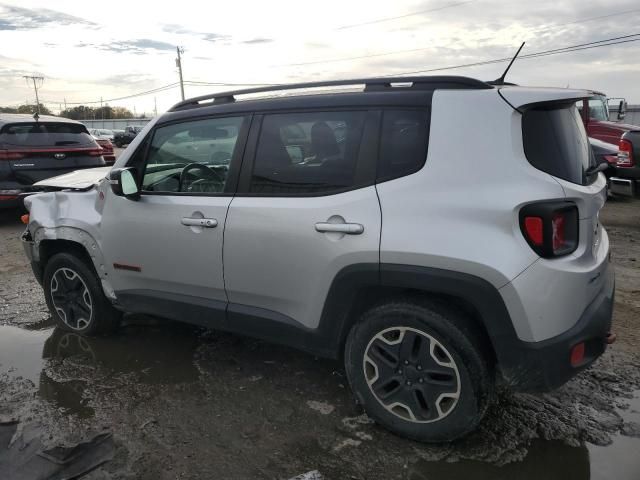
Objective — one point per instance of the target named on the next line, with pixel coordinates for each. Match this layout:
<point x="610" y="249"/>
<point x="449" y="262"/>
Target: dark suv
<point x="39" y="147"/>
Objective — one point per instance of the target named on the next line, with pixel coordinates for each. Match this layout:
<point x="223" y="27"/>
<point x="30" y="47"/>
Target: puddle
<point x="177" y="374"/>
<point x="545" y="460"/>
<point x="21" y="351"/>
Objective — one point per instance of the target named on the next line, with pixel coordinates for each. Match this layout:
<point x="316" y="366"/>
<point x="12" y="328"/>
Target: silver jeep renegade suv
<point x="438" y="234"/>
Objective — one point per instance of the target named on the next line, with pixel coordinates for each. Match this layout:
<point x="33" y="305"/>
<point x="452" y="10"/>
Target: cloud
<point x="18" y="18"/>
<point x="207" y="36"/>
<point x="258" y="40"/>
<point x="215" y="37"/>
<point x="138" y="46"/>
<point x="179" y="29"/>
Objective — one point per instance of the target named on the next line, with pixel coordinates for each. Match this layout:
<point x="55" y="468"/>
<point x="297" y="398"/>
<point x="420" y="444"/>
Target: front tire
<point x="418" y="371"/>
<point x="75" y="297"/>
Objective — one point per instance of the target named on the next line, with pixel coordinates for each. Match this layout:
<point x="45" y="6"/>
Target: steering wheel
<point x="211" y="174"/>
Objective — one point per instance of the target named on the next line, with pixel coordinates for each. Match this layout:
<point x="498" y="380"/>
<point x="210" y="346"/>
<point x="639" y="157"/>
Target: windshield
<point x="598" y="108"/>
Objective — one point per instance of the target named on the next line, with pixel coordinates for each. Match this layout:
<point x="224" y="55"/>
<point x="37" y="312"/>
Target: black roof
<point x="371" y="84"/>
<point x="409" y="91"/>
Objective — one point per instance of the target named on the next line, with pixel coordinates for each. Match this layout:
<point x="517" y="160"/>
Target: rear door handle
<point x="199" y="222"/>
<point x="348" y="228"/>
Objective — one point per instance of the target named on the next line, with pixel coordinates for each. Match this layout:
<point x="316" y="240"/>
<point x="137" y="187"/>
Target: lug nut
<point x="399" y="371"/>
<point x="420" y="380"/>
<point x="419" y="367"/>
<point x="406" y="362"/>
<point x="408" y="383"/>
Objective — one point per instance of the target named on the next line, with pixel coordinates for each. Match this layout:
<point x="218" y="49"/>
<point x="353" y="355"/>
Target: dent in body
<point x="70" y="215"/>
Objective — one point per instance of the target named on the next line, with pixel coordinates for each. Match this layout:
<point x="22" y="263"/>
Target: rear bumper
<point x="10" y="201"/>
<point x="545" y="365"/>
<point x="622" y="186"/>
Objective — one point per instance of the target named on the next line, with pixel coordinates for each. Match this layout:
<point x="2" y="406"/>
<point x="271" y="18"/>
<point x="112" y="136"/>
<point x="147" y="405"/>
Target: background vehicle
<point x="626" y="178"/>
<point x="125" y="138"/>
<point x="595" y="115"/>
<point x="605" y="153"/>
<point x="454" y="289"/>
<point x="107" y="149"/>
<point x="34" y="149"/>
<point x="102" y="133"/>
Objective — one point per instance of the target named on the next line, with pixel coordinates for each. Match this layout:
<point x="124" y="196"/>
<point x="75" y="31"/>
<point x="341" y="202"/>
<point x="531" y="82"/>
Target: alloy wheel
<point x="411" y="374"/>
<point x="71" y="298"/>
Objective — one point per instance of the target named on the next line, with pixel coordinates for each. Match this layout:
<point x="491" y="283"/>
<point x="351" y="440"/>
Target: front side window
<point x="307" y="153"/>
<point x="191" y="157"/>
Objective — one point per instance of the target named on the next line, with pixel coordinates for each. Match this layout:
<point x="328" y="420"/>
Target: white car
<point x="102" y="133"/>
<point x="437" y="234"/>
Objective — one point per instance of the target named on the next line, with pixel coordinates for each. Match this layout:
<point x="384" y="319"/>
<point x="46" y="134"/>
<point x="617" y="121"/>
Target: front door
<point x="165" y="249"/>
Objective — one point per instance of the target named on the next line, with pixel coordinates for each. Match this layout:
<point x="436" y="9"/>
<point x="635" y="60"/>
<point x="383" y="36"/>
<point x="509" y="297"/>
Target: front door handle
<point x="199" y="222"/>
<point x="348" y="228"/>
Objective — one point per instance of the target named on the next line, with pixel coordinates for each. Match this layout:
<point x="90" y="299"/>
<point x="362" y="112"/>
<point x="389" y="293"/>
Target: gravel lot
<point x="183" y="402"/>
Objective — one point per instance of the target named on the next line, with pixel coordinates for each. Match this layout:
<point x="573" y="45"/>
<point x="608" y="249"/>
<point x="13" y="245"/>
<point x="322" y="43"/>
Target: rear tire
<point x="418" y="370"/>
<point x="75" y="297"/>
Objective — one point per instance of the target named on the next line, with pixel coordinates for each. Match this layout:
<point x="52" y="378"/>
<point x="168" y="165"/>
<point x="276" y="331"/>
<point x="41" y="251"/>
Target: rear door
<point x="39" y="150"/>
<point x="163" y="252"/>
<point x="306" y="208"/>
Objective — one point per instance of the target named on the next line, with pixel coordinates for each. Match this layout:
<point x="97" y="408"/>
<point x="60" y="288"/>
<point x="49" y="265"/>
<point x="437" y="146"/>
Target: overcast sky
<point x="87" y="50"/>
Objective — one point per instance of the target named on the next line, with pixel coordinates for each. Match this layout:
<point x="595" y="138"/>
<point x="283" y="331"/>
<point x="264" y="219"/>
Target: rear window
<point x="38" y="134"/>
<point x="555" y="141"/>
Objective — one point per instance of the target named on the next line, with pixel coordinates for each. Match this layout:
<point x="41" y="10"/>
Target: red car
<point x="625" y="179"/>
<point x="107" y="148"/>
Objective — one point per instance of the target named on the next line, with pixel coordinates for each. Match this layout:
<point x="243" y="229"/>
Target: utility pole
<point x="180" y="50"/>
<point x="35" y="78"/>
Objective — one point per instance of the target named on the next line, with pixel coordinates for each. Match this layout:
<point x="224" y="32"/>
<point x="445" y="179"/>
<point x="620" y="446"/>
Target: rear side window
<point x="556" y="142"/>
<point x="307" y="153"/>
<point x="45" y="134"/>
<point x="403" y="143"/>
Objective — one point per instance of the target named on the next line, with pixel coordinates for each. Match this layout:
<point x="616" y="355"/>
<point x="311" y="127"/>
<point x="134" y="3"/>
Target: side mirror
<point x="622" y="109"/>
<point x="123" y="183"/>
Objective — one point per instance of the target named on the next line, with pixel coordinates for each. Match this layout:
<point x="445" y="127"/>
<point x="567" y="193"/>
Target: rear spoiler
<point x="520" y="97"/>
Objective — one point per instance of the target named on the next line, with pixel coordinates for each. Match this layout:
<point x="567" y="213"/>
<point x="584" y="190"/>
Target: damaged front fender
<point x="68" y="215"/>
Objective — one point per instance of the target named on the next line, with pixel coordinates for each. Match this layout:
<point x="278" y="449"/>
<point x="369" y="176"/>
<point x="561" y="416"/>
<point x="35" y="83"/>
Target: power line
<point x="422" y="49"/>
<point x="162" y="89"/>
<point x="390" y="19"/>
<point x="556" y="51"/>
<point x="139" y="94"/>
<point x="599" y="17"/>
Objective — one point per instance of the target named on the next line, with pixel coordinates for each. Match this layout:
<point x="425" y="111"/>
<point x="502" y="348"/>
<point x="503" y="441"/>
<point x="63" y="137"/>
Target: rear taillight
<point x="625" y="153"/>
<point x="94" y="152"/>
<point x="9" y="155"/>
<point x="611" y="159"/>
<point x="534" y="230"/>
<point x="550" y="228"/>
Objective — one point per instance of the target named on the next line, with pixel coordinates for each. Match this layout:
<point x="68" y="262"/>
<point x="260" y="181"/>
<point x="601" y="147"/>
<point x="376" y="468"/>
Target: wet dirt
<point x="184" y="402"/>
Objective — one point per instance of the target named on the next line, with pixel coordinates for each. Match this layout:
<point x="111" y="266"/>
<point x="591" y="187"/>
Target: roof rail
<point x="371" y="84"/>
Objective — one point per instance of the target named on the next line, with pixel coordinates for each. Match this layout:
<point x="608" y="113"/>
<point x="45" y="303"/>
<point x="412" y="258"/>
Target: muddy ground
<point x="183" y="402"/>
